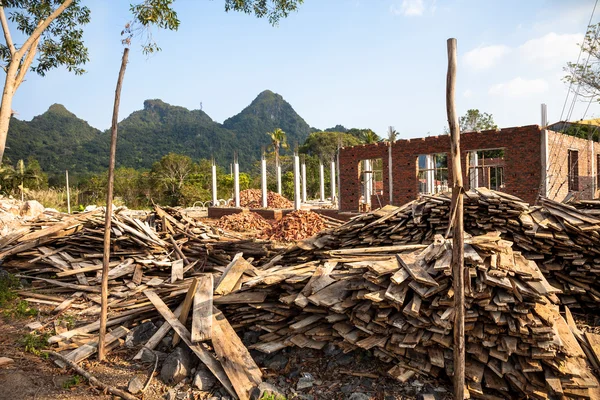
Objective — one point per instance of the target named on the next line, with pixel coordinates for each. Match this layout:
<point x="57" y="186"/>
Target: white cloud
<point x="519" y="87"/>
<point x="551" y="49"/>
<point x="486" y="56"/>
<point x="468" y="93"/>
<point x="410" y="8"/>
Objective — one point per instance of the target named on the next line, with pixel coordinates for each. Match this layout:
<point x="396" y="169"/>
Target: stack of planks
<point x="564" y="241"/>
<point x="399" y="304"/>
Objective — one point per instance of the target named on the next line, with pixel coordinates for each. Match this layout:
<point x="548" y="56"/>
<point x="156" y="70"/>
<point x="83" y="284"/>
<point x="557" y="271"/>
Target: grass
<point x="72" y="382"/>
<point x="69" y="321"/>
<point x="35" y="343"/>
<point x="8" y="284"/>
<point x="272" y="396"/>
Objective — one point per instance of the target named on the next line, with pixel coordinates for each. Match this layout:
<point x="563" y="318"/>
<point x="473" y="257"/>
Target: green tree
<point x="585" y="76"/>
<point x="392" y="134"/>
<point x="171" y="173"/>
<point x="278" y="142"/>
<point x="324" y="144"/>
<point x="53" y="37"/>
<point x="474" y="120"/>
<point x="369" y="137"/>
<point x="35" y="178"/>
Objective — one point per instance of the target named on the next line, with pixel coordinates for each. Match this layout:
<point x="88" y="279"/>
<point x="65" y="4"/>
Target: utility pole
<point x="458" y="267"/>
<point x="68" y="192"/>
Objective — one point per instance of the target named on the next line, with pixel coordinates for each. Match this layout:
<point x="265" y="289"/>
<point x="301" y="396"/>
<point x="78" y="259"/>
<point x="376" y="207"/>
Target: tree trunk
<point x="6" y="106"/>
<point x="108" y="213"/>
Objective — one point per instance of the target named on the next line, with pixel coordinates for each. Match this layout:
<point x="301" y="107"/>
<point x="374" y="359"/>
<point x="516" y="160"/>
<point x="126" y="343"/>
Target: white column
<point x="297" y="194"/>
<point x="321" y="181"/>
<point x="215" y="200"/>
<point x="474" y="171"/>
<point x="236" y="181"/>
<point x="304" y="181"/>
<point x="367" y="181"/>
<point x="333" y="191"/>
<point x="430" y="174"/>
<point x="263" y="172"/>
<point x="278" y="167"/>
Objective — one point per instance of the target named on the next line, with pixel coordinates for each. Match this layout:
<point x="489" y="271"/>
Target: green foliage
<point x="324" y="144"/>
<point x="61" y="44"/>
<point x="73" y="381"/>
<point x="583" y="131"/>
<point x="157" y="13"/>
<point x="474" y="120"/>
<point x="21" y="309"/>
<point x="8" y="284"/>
<point x="585" y="76"/>
<point x="272" y="396"/>
<point x="274" y="10"/>
<point x="30" y="175"/>
<point x="35" y="343"/>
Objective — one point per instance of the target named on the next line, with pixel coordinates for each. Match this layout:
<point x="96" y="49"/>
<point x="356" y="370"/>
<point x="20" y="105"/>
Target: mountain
<point x="59" y="140"/>
<point x="267" y="112"/>
<point x="55" y="138"/>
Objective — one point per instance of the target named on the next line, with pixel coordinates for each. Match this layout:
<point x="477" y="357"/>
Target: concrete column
<point x="304" y="181"/>
<point x="68" y="192"/>
<point x="278" y="167"/>
<point x="545" y="183"/>
<point x="430" y="174"/>
<point x="215" y="200"/>
<point x="333" y="191"/>
<point x="339" y="183"/>
<point x="321" y="181"/>
<point x="473" y="170"/>
<point x="236" y="181"/>
<point x="297" y="194"/>
<point x="367" y="181"/>
<point x="263" y="172"/>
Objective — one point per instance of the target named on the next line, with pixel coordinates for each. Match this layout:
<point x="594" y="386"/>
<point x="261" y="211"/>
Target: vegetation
<point x="35" y="343"/>
<point x="73" y="381"/>
<point x="584" y="77"/>
<point x="474" y="120"/>
<point x="8" y="284"/>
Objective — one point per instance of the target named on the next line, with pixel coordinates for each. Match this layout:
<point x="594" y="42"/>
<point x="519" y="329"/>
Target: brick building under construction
<point x="523" y="161"/>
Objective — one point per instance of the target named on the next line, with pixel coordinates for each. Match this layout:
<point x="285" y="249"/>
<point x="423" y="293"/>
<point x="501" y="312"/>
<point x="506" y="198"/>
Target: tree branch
<point x="26" y="64"/>
<point x="42" y="27"/>
<point x="6" y="31"/>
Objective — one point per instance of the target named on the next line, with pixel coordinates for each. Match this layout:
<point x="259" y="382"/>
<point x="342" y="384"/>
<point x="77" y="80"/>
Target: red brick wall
<point x="558" y="150"/>
<point x="522" y="173"/>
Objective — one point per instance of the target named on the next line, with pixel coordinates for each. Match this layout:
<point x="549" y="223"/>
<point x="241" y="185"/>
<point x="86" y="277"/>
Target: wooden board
<point x="203" y="306"/>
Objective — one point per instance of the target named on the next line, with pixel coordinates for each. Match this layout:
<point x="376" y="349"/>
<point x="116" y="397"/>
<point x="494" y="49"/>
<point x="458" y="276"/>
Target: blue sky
<point x="359" y="63"/>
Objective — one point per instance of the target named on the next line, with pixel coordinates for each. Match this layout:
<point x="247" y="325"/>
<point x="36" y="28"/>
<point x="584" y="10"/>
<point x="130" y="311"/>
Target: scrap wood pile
<point x="243" y="222"/>
<point x="297" y="225"/>
<point x="564" y="241"/>
<point x="591" y="207"/>
<point x="252" y="198"/>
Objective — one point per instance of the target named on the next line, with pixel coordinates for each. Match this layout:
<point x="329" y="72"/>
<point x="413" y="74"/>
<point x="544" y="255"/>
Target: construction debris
<point x="380" y="282"/>
<point x="297" y="225"/>
<point x="252" y="198"/>
<point x="243" y="222"/>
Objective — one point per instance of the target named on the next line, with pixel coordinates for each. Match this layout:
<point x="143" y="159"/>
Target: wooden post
<point x="108" y="213"/>
<point x="458" y="273"/>
<point x="68" y="192"/>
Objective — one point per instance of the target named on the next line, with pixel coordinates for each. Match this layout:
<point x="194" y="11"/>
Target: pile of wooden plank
<point x="245" y="221"/>
<point x="252" y="198"/>
<point x="564" y="241"/>
<point x="399" y="304"/>
<point x="297" y="225"/>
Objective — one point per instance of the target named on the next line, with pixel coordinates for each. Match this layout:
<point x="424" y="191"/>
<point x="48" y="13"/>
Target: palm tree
<point x="392" y="134"/>
<point x="278" y="142"/>
<point x="369" y="137"/>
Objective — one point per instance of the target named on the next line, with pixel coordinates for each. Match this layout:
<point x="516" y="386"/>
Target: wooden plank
<point x="90" y="348"/>
<point x="176" y="271"/>
<point x="203" y="306"/>
<point x="237" y="362"/>
<point x="232" y="274"/>
<point x="185" y="310"/>
<point x="207" y="358"/>
<point x="412" y="265"/>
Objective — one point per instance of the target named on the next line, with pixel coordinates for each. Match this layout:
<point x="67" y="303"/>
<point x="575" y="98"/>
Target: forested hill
<point x="59" y="140"/>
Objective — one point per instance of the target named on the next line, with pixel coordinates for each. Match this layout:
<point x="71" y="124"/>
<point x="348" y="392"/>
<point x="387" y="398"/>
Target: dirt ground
<point x="334" y="375"/>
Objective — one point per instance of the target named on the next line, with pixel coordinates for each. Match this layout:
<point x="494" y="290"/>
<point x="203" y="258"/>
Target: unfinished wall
<point x="522" y="174"/>
<point x="558" y="170"/>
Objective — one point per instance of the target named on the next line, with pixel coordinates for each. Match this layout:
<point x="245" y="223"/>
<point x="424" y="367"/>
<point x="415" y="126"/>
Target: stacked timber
<point x="564" y="241"/>
<point x="297" y="225"/>
<point x="399" y="305"/>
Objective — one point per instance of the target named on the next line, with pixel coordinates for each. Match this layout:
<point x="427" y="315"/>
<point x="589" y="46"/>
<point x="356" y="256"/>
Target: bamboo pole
<point x="68" y="192"/>
<point x="458" y="267"/>
<point x="108" y="213"/>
